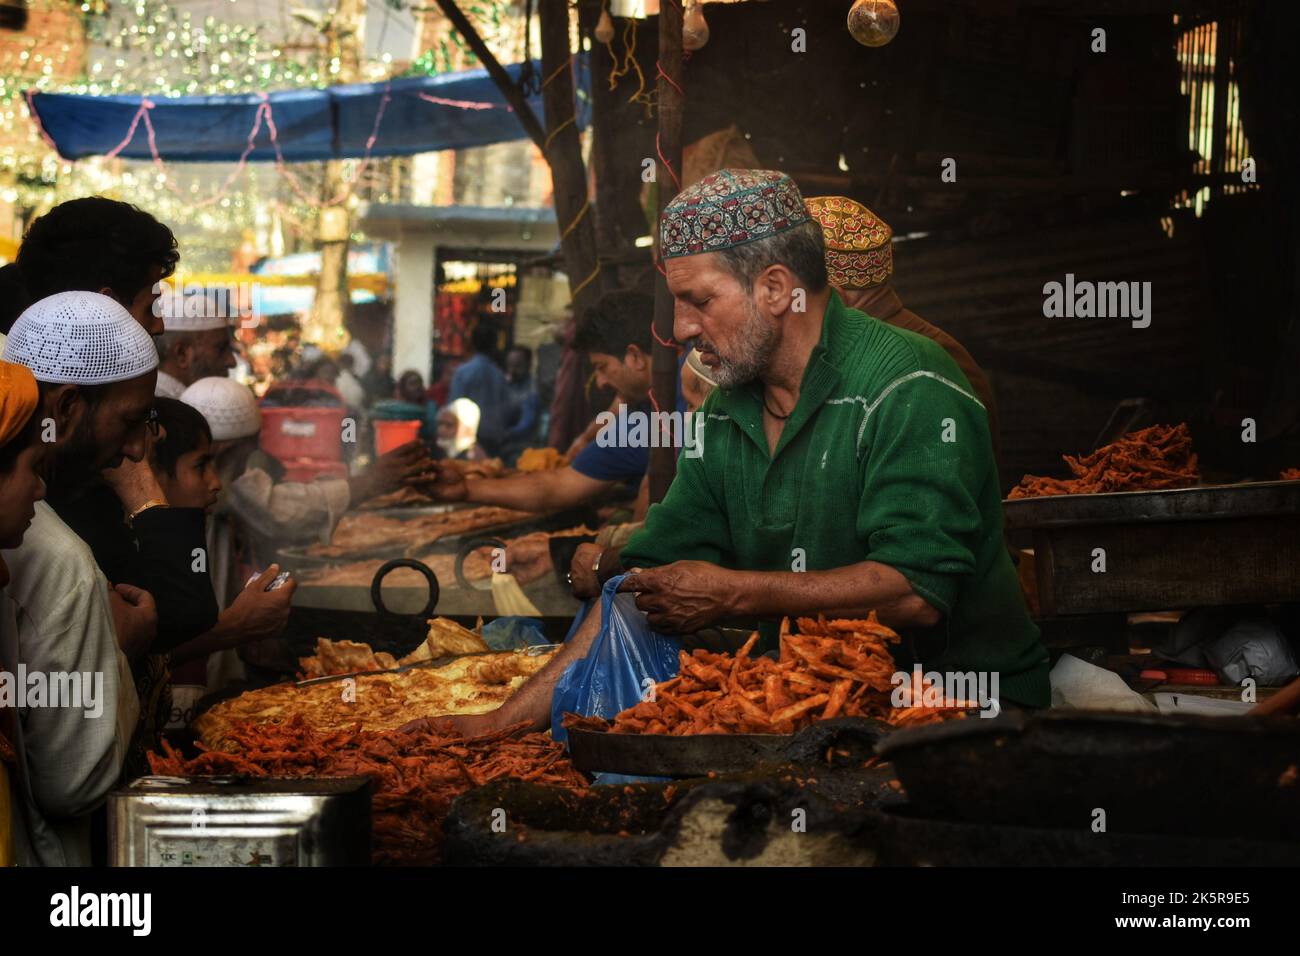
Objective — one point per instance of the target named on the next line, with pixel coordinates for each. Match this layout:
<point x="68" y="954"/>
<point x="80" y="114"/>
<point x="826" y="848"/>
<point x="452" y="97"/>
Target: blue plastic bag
<point x="514" y="632"/>
<point x="626" y="659"/>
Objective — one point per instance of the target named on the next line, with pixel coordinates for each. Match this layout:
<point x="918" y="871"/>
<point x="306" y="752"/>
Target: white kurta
<point x="55" y="618"/>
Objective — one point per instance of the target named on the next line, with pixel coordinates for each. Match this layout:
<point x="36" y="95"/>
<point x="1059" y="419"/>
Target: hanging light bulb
<point x="873" y="22"/>
<point x="605" y="27"/>
<point x="695" y="32"/>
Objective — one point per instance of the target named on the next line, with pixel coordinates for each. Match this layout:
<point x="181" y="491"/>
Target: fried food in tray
<point x="416" y="776"/>
<point x="473" y="684"/>
<point x="839" y="668"/>
<point x="1291" y="474"/>
<point x="401" y="498"/>
<point x="1148" y="460"/>
<point x="360" y="533"/>
<point x="446" y="639"/>
<point x="528" y="558"/>
<point x="488" y="468"/>
<point x="540" y="459"/>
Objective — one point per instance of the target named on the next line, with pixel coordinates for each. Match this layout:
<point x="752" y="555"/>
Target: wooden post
<point x="663" y="461"/>
<point x="563" y="152"/>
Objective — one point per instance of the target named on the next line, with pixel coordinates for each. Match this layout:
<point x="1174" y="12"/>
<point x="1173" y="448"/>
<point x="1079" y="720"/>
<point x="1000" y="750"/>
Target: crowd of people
<point x="137" y="518"/>
<point x="139" y="514"/>
<point x="485" y="409"/>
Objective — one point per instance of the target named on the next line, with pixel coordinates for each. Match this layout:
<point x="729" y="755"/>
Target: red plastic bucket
<point x="307" y="470"/>
<point x="390" y="435"/>
<point x="303" y="431"/>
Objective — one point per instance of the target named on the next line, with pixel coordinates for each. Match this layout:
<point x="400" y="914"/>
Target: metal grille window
<point x="1209" y="50"/>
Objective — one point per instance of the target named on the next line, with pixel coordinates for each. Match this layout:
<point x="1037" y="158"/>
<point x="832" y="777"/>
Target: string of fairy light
<point x="152" y="48"/>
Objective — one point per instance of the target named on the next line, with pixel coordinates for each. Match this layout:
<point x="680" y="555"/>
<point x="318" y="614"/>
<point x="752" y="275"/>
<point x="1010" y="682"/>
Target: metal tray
<point x="1206" y="776"/>
<point x="300" y="556"/>
<point x="1189" y="547"/>
<point x="853" y="739"/>
<point x="1249" y="499"/>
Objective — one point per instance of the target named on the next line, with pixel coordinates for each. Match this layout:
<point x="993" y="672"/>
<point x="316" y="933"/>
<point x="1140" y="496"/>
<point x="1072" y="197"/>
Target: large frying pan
<point x="386" y="630"/>
<point x="1147" y="773"/>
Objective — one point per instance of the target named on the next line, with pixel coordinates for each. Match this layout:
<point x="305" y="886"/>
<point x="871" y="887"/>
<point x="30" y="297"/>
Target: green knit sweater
<point x="886" y="457"/>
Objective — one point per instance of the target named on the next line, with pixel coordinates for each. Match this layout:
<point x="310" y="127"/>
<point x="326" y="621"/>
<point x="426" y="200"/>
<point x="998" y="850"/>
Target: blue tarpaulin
<point x="423" y="114"/>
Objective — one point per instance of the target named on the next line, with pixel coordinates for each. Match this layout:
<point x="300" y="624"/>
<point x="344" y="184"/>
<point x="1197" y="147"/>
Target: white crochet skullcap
<point x="195" y="308"/>
<point x="230" y="408"/>
<point x="80" y="338"/>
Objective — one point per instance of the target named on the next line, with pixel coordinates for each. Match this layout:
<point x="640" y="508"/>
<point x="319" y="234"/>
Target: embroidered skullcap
<point x="730" y="208"/>
<point x="859" y="244"/>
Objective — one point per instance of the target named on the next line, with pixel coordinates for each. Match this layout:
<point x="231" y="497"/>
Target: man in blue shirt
<point x="481" y="381"/>
<point x="615" y="334"/>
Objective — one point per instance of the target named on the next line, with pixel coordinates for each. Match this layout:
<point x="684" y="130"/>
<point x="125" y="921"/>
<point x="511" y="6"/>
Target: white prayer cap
<point x="230" y="408"/>
<point x="80" y="338"/>
<point x="195" y="308"/>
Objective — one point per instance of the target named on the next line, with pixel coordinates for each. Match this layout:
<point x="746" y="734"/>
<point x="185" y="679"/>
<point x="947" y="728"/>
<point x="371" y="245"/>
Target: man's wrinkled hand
<point x="391" y="470"/>
<point x="585" y="582"/>
<point x="467" y="725"/>
<point x="257" y="613"/>
<point x="683" y="597"/>
<point x="443" y="482"/>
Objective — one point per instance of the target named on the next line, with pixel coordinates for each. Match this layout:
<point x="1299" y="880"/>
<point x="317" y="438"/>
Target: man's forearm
<point x="525" y="492"/>
<point x="535" y="491"/>
<point x="532" y="703"/>
<point x="850" y="591"/>
<point x="225" y="634"/>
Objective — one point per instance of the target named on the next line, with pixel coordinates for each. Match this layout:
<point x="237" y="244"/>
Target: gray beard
<point x="755" y="345"/>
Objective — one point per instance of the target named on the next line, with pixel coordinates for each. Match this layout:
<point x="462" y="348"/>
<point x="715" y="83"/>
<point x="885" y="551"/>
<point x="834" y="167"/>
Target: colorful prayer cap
<point x="859" y="248"/>
<point x="80" y="338"/>
<point x="730" y="208"/>
<point x="18" y="398"/>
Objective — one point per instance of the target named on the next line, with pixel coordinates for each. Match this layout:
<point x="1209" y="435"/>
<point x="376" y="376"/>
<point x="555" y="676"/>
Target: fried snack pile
<point x="472" y="684"/>
<point x="446" y="639"/>
<point x="540" y="459"/>
<point x="488" y="468"/>
<point x="416" y="776"/>
<point x="1291" y="474"/>
<point x="401" y="498"/>
<point x="829" y="669"/>
<point x="1157" y="457"/>
<point x="343" y="657"/>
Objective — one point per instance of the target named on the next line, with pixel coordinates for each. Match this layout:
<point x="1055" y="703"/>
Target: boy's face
<point x="196" y="483"/>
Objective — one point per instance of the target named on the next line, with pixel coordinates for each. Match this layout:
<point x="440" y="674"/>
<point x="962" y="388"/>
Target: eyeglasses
<point x="152" y="423"/>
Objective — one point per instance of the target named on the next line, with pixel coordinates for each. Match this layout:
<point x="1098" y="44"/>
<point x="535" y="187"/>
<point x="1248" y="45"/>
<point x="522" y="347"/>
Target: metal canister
<point x="240" y="821"/>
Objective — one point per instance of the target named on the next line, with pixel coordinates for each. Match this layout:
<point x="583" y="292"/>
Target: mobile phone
<point x="276" y="583"/>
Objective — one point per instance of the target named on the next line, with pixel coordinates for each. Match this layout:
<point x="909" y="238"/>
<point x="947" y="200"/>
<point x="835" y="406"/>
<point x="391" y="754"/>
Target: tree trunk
<point x="344" y="42"/>
<point x="663" y="461"/>
<point x="564" y="154"/>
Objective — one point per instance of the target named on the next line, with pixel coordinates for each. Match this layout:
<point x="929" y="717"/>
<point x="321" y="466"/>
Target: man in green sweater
<point x="846" y="464"/>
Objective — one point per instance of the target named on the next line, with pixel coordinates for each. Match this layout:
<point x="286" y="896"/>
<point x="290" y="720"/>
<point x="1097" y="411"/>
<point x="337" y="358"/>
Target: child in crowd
<point x="183" y="460"/>
<point x="21" y="486"/>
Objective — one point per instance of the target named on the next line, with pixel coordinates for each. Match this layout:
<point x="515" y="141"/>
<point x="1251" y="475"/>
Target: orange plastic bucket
<point x="390" y="435"/>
